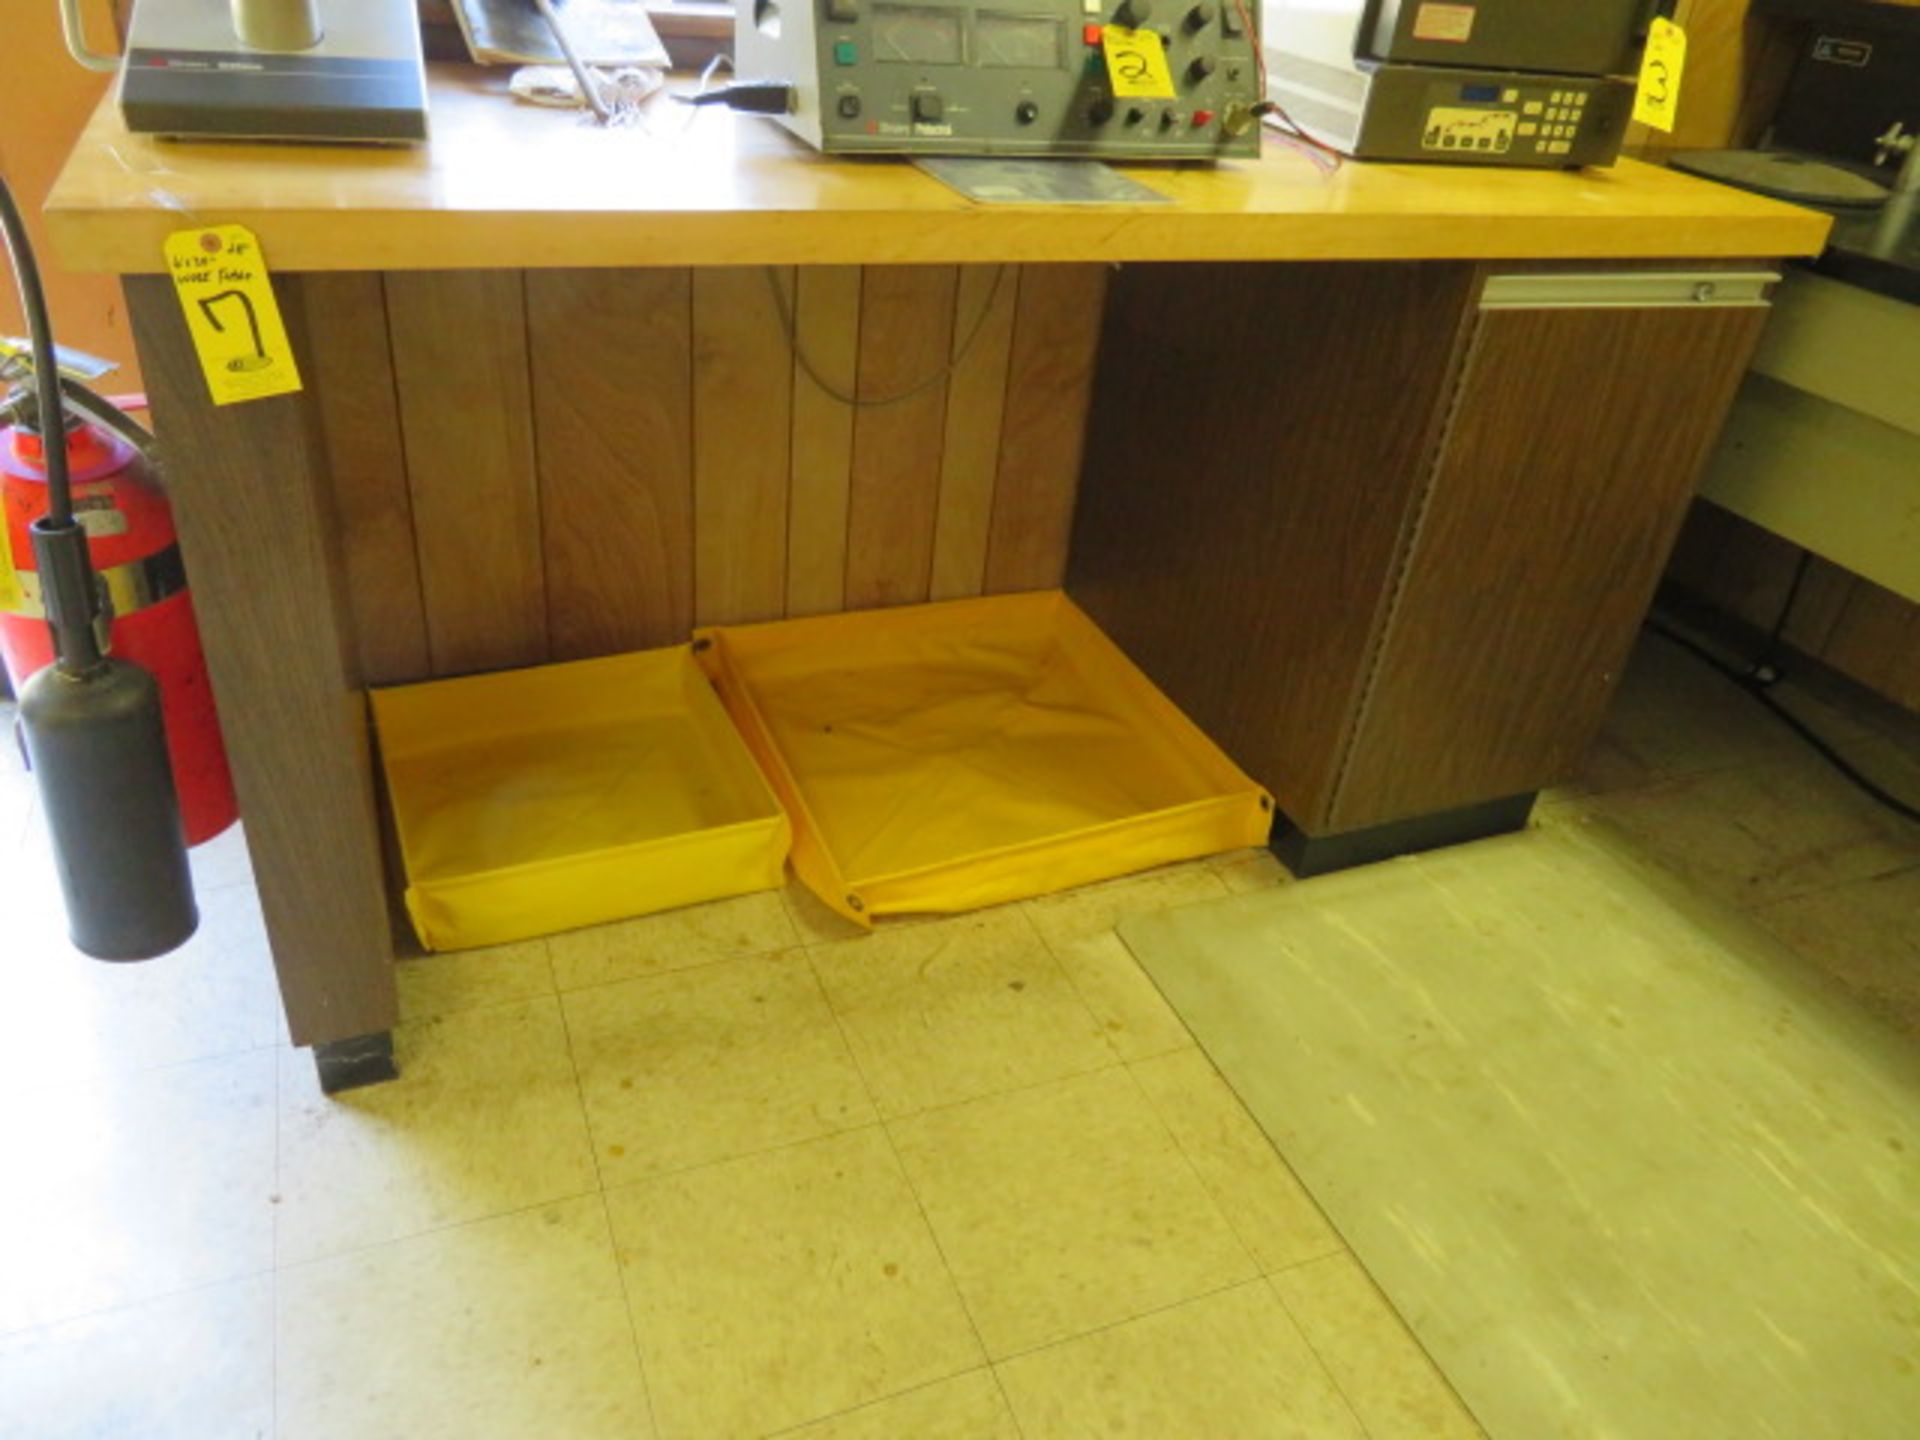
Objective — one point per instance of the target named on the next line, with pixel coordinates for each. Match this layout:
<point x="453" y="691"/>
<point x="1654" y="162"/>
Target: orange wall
<point x="44" y="101"/>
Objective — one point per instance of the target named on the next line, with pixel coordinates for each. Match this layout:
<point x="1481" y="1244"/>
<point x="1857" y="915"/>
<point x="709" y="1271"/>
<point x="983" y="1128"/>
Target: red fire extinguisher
<point x="137" y="555"/>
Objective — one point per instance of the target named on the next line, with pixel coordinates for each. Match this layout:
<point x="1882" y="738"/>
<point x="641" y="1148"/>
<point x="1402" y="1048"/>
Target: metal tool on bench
<point x="1013" y="77"/>
<point x="268" y="69"/>
<point x="1541" y="83"/>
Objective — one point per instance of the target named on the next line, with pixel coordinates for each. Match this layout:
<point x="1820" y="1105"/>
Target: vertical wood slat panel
<point x="612" y="355"/>
<point x="906" y="335"/>
<point x="742" y="416"/>
<point x="1056" y="333"/>
<point x="460" y="362"/>
<point x="352" y="384"/>
<point x="983" y="323"/>
<point x="827" y="319"/>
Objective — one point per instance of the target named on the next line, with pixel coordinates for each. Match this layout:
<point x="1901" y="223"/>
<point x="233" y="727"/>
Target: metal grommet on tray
<point x="855" y="904"/>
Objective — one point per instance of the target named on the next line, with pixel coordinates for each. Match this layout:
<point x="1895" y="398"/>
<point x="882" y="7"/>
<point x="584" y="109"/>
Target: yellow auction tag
<point x="1666" y="59"/>
<point x="221" y="279"/>
<point x="1136" y="64"/>
<point x="10" y="596"/>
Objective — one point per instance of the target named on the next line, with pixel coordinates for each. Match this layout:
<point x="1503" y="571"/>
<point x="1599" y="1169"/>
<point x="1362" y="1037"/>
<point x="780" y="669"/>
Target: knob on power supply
<point x="1026" y="112"/>
<point x="1137" y="12"/>
<point x="1201" y="16"/>
<point x="1201" y="68"/>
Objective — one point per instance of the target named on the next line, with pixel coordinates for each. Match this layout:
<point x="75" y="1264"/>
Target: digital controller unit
<point x="1117" y="79"/>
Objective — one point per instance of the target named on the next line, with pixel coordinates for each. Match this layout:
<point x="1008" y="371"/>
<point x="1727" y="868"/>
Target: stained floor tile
<point x="485" y="1118"/>
<point x="731" y="1058"/>
<point x="1261" y="1197"/>
<point x="1078" y="927"/>
<point x="1230" y="1364"/>
<point x="134" y="1188"/>
<point x="786" y="1287"/>
<point x="499" y="1330"/>
<point x="193" y="1366"/>
<point x="1096" y="909"/>
<point x="967" y="1407"/>
<point x="673" y="940"/>
<point x="957" y="1008"/>
<point x="1244" y="870"/>
<point x="1380" y="1368"/>
<point x="1065" y="1207"/>
<point x="1865" y="935"/>
<point x="438" y="984"/>
<point x="1753" y="836"/>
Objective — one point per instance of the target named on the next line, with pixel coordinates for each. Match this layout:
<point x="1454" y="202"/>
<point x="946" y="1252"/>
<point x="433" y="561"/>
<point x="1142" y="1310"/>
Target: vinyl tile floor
<point x="737" y="1171"/>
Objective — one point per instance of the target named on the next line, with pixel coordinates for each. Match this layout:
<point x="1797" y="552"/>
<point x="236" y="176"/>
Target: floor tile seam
<point x="659" y="973"/>
<point x="939" y="1249"/>
<point x="114" y="1075"/>
<point x="1081" y="995"/>
<point x="1399" y="1319"/>
<point x="1209" y="1293"/>
<point x="101" y="1312"/>
<point x="364" y="1247"/>
<point x="1101" y="1069"/>
<point x="682" y="1171"/>
<point x="626" y="1304"/>
<point x="799" y="1425"/>
<point x="1337" y="1243"/>
<point x="1346" y="1400"/>
<point x="1193" y="1169"/>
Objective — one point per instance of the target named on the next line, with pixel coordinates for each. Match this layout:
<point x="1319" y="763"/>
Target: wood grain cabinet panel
<point x="1574" y="442"/>
<point x="1258" y="444"/>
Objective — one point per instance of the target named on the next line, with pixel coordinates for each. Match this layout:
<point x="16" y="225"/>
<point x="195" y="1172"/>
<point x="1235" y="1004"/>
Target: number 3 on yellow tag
<point x="1658" y="99"/>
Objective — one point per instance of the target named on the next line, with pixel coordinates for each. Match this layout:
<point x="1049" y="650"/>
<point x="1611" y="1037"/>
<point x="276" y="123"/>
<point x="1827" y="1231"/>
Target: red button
<point x="1202" y="117"/>
<point x="1093" y="34"/>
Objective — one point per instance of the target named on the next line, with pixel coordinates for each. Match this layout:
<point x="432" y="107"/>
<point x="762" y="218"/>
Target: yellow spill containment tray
<point x="944" y="757"/>
<point x="540" y="800"/>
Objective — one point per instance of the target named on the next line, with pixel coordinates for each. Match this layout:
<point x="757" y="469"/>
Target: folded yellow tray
<point x="539" y="800"/>
<point x="945" y="757"/>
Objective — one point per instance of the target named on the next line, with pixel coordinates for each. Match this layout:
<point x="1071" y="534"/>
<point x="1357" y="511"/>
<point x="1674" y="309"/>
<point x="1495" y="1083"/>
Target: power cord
<point x="1758" y="681"/>
<point x="919" y="387"/>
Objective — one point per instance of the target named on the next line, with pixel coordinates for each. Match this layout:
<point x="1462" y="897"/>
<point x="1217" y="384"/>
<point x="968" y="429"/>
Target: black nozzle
<point x="69" y="592"/>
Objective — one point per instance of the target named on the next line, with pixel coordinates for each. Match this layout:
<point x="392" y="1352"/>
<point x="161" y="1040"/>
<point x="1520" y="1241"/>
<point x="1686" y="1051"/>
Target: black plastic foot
<point x="1309" y="855"/>
<point x="349" y="1064"/>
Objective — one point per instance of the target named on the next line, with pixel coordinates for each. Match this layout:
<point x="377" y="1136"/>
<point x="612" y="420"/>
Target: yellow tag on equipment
<point x="1136" y="64"/>
<point x="10" y="595"/>
<point x="1658" y="98"/>
<point x="221" y="279"/>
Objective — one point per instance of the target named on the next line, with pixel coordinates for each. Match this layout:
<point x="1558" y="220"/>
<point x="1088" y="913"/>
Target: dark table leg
<point x="250" y="494"/>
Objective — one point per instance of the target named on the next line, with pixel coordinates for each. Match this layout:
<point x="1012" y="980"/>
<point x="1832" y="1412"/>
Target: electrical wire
<point x="1265" y="105"/>
<point x="46" y="369"/>
<point x="789" y="324"/>
<point x="1756" y="682"/>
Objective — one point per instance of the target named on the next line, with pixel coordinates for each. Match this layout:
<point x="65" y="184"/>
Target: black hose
<point x="46" y="370"/>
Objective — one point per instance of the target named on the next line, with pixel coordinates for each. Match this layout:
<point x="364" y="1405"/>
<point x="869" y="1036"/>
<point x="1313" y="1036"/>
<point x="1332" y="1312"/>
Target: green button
<point x="845" y="52"/>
